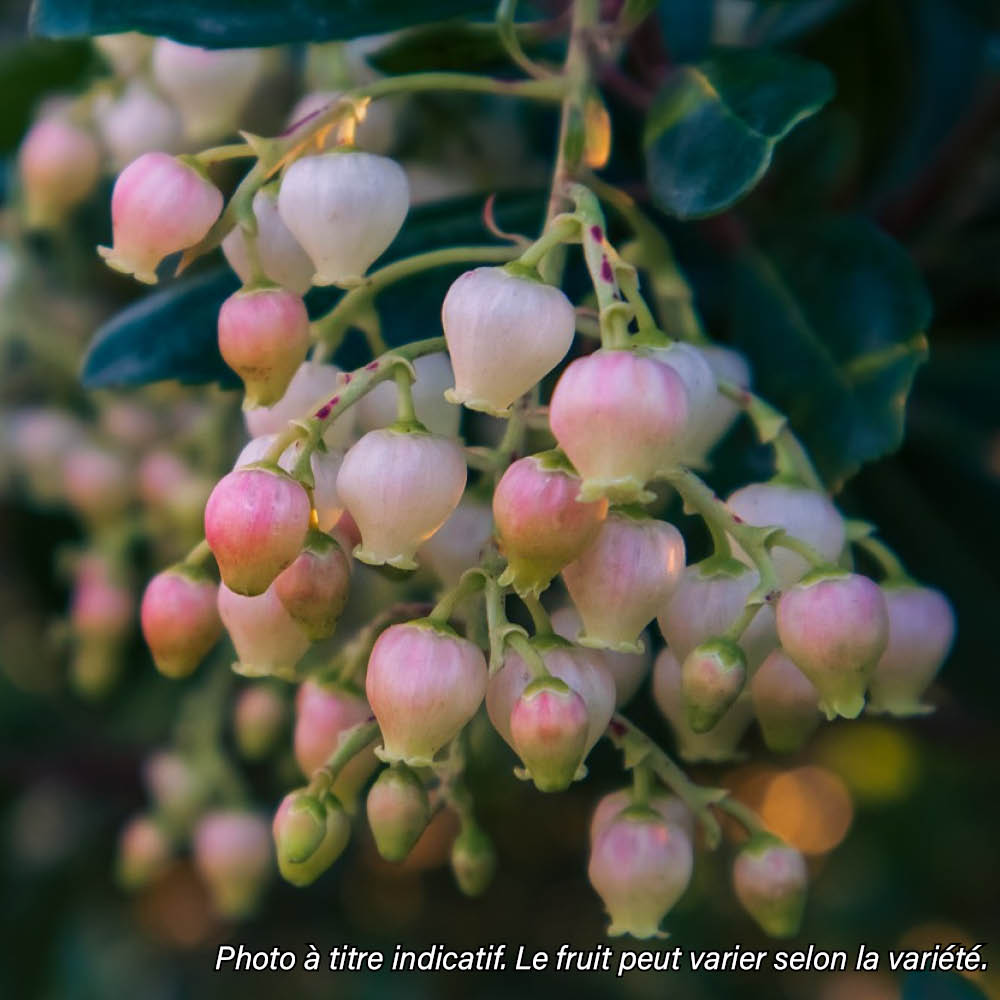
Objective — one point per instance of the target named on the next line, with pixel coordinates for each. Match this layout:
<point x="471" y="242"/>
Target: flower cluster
<point x="355" y="491"/>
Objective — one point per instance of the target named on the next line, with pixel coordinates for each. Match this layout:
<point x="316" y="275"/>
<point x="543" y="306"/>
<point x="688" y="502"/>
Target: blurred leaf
<point x="712" y="129"/>
<point x="171" y="333"/>
<point x="948" y="49"/>
<point x="455" y="45"/>
<point x="236" y="23"/>
<point x="31" y="70"/>
<point x="687" y="27"/>
<point x="832" y="316"/>
<point x="775" y="21"/>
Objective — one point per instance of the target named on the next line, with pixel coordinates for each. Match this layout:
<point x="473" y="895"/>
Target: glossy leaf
<point x="237" y="23"/>
<point x="712" y="130"/>
<point x="169" y="334"/>
<point x="832" y="318"/>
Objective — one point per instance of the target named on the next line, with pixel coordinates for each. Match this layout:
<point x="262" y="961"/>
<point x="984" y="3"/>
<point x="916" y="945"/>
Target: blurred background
<point x="897" y="818"/>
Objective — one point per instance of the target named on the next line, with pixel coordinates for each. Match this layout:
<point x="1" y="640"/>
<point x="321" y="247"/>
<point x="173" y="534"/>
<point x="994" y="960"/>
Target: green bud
<point x="712" y="677"/>
<point x="310" y="833"/>
<point x="473" y="860"/>
<point x="770" y="880"/>
<point x="398" y="811"/>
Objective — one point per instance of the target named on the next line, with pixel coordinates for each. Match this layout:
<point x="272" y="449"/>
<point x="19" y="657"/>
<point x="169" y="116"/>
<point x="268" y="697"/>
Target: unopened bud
<point x="712" y="677"/>
<point x="310" y="833"/>
<point x="473" y="860"/>
<point x="549" y="728"/>
<point x="770" y="880"/>
<point x="398" y="811"/>
<point x="314" y="589"/>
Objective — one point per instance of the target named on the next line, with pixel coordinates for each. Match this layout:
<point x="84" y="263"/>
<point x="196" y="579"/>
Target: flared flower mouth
<point x="613" y="645"/>
<point x="122" y="263"/>
<point x="475" y="403"/>
<point x="402" y="560"/>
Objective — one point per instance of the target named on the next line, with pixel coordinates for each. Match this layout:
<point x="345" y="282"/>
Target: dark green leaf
<point x="832" y="317"/>
<point x="687" y="27"/>
<point x="775" y="21"/>
<point x="171" y="333"/>
<point x="455" y="45"/>
<point x="238" y="23"/>
<point x="712" y="130"/>
<point x="31" y="70"/>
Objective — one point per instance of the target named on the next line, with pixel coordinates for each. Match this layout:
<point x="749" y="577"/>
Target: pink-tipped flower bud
<point x="473" y="860"/>
<point x="102" y="605"/>
<point x="621" y="417"/>
<point x="623" y="578"/>
<point x="804" y="513"/>
<point x="267" y="640"/>
<point x="398" y="811"/>
<point x="97" y="482"/>
<point x="921" y="631"/>
<point x="209" y="87"/>
<point x="580" y="669"/>
<point x="313" y="386"/>
<point x="541" y="524"/>
<point x="640" y="866"/>
<point x="377" y="408"/>
<point x="710" y="596"/>
<point x="259" y="718"/>
<point x="314" y="588"/>
<point x="143" y="852"/>
<point x="138" y="122"/>
<point x="713" y="676"/>
<point x="835" y="626"/>
<point x="670" y="807"/>
<point x="310" y="833"/>
<point x="59" y="166"/>
<point x="785" y="702"/>
<point x="160" y="473"/>
<point x="232" y="852"/>
<point x="344" y="208"/>
<point x="770" y="881"/>
<point x="282" y="260"/>
<point x="180" y="619"/>
<point x="424" y="684"/>
<point x="400" y="487"/>
<point x="721" y="742"/>
<point x="323" y="714"/>
<point x="324" y="466"/>
<point x="264" y="337"/>
<point x="256" y="521"/>
<point x="459" y="542"/>
<point x="505" y="333"/>
<point x="628" y="670"/>
<point x="159" y="206"/>
<point x="548" y="727"/>
<point x="716" y="419"/>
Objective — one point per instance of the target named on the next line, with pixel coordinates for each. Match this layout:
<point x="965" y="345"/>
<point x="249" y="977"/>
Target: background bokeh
<point x="898" y="819"/>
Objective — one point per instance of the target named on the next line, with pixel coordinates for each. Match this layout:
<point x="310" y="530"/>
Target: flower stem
<point x="345" y="313"/>
<point x="640" y="751"/>
<point x="352" y="742"/>
<point x="697" y="496"/>
<point x="887" y="560"/>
